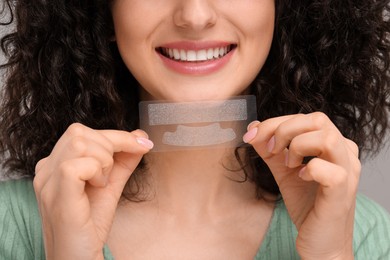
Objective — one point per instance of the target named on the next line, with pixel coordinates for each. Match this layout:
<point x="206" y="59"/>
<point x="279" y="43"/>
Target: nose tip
<point x="195" y="15"/>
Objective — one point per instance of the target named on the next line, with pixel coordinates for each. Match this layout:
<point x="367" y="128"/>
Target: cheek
<point x="257" y="19"/>
<point x="135" y="22"/>
<point x="258" y="30"/>
<point x="130" y="26"/>
<point x="131" y="43"/>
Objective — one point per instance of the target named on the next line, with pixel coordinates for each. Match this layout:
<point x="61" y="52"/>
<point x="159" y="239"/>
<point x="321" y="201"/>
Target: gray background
<point x="375" y="178"/>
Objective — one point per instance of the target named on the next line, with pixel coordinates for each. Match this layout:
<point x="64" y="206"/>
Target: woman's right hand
<point x="78" y="187"/>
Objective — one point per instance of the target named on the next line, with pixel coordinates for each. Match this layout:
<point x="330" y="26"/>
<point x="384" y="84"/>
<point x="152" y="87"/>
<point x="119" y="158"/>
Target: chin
<point x="194" y="91"/>
<point x="194" y="97"/>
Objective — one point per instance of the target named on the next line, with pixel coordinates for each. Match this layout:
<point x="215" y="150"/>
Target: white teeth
<point x="170" y="52"/>
<point x="210" y="54"/>
<point x="176" y="54"/>
<point x="221" y="51"/>
<point x="192" y="55"/>
<point x="201" y="55"/>
<point x="183" y="55"/>
<point x="216" y="53"/>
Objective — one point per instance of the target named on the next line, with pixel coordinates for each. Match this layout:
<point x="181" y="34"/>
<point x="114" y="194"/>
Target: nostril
<point x="195" y="15"/>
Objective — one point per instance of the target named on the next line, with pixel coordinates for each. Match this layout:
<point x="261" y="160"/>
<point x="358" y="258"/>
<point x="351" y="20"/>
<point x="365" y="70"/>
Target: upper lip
<point x="198" y="45"/>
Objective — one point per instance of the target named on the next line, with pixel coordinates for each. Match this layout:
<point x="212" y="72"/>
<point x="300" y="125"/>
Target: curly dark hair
<point x="63" y="67"/>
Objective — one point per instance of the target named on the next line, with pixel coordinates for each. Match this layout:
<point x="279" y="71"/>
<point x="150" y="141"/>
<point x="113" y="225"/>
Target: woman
<point x="69" y="119"/>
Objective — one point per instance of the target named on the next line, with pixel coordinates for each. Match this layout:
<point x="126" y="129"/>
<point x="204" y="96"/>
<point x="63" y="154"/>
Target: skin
<point x="193" y="208"/>
<point x="320" y="196"/>
<point x="196" y="21"/>
<point x="79" y="185"/>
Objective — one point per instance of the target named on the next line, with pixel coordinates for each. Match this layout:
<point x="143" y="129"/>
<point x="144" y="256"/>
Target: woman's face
<point x="188" y="50"/>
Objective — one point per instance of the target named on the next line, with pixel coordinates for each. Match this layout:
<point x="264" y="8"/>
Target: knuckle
<point x="140" y="133"/>
<point x="281" y="132"/>
<point x="38" y="180"/>
<point x="356" y="167"/>
<point x="66" y="170"/>
<point x="39" y="164"/>
<point x="331" y="140"/>
<point x="37" y="184"/>
<point x="319" y="119"/>
<point x="110" y="148"/>
<point x="354" y="147"/>
<point x="78" y="145"/>
<point x="75" y="129"/>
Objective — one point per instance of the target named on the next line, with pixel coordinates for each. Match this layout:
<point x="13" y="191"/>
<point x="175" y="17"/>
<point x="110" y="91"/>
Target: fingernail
<point x="252" y="124"/>
<point x="145" y="142"/>
<point x="250" y="135"/>
<point x="271" y="144"/>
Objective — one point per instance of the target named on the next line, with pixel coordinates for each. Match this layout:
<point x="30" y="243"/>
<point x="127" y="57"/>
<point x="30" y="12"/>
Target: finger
<point x="67" y="191"/>
<point x="78" y="130"/>
<point x="356" y="165"/>
<point x="112" y="140"/>
<point x="116" y="140"/>
<point x="75" y="173"/>
<point x="327" y="144"/>
<point x="80" y="141"/>
<point x="353" y="147"/>
<point x="76" y="137"/>
<point x="298" y="125"/>
<point x="337" y="188"/>
<point x="68" y="184"/>
<point x="78" y="147"/>
<point x="40" y="164"/>
<point x="332" y="177"/>
<point x="39" y="176"/>
<point x="135" y="142"/>
<point x="259" y="134"/>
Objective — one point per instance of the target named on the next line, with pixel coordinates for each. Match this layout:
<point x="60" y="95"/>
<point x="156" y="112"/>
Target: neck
<point x="197" y="180"/>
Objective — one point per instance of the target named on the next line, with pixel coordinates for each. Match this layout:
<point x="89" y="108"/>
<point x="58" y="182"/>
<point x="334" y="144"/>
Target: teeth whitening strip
<point x="197" y="125"/>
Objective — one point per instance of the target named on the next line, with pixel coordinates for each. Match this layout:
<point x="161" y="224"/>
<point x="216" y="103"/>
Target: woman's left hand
<point x="320" y="195"/>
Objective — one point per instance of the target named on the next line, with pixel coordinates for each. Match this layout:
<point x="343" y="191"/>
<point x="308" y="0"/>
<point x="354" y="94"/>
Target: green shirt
<point x="21" y="233"/>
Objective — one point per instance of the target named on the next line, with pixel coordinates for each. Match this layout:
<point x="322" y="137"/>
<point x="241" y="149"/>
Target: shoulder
<point x="18" y="197"/>
<point x="371" y="233"/>
<point x="20" y="226"/>
<point x="372" y="230"/>
<point x="279" y="241"/>
<point x="15" y="187"/>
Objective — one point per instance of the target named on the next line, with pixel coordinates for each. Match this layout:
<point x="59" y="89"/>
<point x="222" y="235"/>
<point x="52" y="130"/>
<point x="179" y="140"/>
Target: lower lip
<point x="196" y="68"/>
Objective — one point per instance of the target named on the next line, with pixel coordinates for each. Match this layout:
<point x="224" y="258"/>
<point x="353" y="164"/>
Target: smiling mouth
<point x="196" y="55"/>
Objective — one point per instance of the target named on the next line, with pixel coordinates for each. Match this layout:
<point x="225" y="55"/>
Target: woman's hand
<point x="319" y="196"/>
<point x="79" y="185"/>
